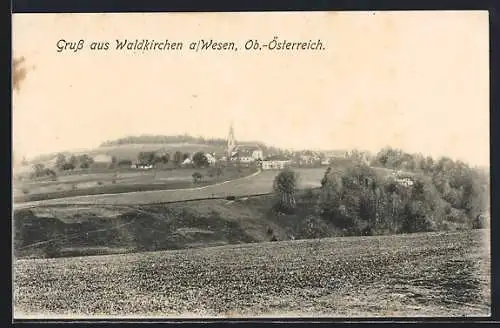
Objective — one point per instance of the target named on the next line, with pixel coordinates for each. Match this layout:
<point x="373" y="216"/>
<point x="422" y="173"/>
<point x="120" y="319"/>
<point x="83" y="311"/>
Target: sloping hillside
<point x="70" y="230"/>
<point x="55" y="231"/>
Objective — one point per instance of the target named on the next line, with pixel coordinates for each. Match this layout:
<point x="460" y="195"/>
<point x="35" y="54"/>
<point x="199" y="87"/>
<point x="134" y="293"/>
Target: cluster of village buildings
<point x="239" y="154"/>
<point x="242" y="155"/>
<point x="247" y="155"/>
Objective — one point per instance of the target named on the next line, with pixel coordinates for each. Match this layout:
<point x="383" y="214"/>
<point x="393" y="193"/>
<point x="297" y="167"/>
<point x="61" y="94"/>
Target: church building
<point x="242" y="153"/>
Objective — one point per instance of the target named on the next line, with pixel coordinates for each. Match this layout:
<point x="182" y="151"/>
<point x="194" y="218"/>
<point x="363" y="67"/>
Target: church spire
<point x="231" y="141"/>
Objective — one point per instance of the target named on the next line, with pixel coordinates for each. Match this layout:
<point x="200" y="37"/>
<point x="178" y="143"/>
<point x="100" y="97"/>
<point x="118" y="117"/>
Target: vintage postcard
<point x="236" y="165"/>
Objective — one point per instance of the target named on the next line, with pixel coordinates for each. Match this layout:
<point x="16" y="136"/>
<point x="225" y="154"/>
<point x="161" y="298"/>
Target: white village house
<point x="403" y="179"/>
<point x="275" y="162"/>
<point x="210" y="158"/>
<point x="187" y="161"/>
<point x="247" y="154"/>
<point x="142" y="166"/>
<point x="326" y="161"/>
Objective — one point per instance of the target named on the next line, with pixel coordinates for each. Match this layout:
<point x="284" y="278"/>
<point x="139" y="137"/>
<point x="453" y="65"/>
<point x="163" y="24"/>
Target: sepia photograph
<point x="251" y="165"/>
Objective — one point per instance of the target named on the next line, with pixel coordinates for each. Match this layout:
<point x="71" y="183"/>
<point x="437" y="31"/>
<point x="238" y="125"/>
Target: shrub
<point x="197" y="176"/>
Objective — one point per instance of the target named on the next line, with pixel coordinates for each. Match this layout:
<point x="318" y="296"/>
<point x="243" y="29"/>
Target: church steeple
<point x="231" y="141"/>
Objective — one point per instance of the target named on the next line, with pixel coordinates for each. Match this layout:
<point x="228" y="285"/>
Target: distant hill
<point x="129" y="147"/>
<point x="175" y="139"/>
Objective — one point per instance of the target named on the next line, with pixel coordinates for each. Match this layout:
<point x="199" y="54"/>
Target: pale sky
<point x="414" y="80"/>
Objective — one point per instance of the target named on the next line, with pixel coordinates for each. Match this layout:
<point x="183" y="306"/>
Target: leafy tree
<point x="428" y="164"/>
<point x="200" y="160"/>
<point x="332" y="199"/>
<point x="164" y="158"/>
<point x="414" y="218"/>
<point x="73" y="160"/>
<point x="324" y="180"/>
<point x="285" y="186"/>
<point x="146" y="157"/>
<point x="85" y="161"/>
<point x="68" y="166"/>
<point x="39" y="170"/>
<point x="60" y="161"/>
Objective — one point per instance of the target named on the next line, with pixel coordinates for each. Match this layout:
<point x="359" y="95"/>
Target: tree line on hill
<point x="440" y="195"/>
<point x="155" y="157"/>
<point x="164" y="139"/>
<point x="171" y="139"/>
<point x="62" y="164"/>
<point x="83" y="161"/>
<point x="185" y="138"/>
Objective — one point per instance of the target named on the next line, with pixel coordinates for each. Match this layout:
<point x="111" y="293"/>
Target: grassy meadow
<point x="120" y="181"/>
<point x="256" y="184"/>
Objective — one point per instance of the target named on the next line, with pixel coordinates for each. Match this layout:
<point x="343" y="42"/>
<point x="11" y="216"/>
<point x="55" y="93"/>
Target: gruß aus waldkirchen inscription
<point x="200" y="45"/>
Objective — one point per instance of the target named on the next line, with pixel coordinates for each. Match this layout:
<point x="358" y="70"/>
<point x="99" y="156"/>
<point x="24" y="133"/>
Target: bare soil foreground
<point x="428" y="274"/>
